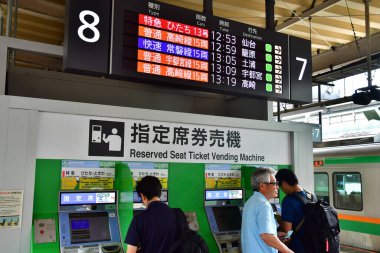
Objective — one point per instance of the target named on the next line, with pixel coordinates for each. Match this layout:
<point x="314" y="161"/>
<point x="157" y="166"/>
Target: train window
<point x="348" y="191"/>
<point x="321" y="186"/>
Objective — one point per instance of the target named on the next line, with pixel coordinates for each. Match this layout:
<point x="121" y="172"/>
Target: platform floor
<point x="348" y="249"/>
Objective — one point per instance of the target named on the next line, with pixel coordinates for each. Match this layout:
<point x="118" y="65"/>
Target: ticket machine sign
<point x="230" y="194"/>
<point x="87" y="198"/>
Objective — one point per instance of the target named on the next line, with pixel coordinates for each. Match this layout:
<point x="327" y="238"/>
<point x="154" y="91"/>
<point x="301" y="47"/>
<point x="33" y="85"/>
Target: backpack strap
<point x="181" y="219"/>
<point x="310" y="197"/>
<point x="182" y="224"/>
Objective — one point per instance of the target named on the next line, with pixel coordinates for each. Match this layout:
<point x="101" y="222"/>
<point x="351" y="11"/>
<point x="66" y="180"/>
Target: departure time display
<point x="153" y="42"/>
<point x="160" y="43"/>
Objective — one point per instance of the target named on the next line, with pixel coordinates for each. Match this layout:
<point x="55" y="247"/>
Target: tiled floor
<point x="346" y="249"/>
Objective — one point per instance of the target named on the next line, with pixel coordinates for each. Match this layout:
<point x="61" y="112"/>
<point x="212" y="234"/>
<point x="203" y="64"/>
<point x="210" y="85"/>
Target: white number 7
<point x="316" y="131"/>
<point x="303" y="66"/>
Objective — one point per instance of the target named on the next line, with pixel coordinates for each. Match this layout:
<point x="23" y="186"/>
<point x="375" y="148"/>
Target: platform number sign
<point x="304" y="64"/>
<point x="316" y="133"/>
<point x="91" y="26"/>
<point x="87" y="37"/>
<point x="300" y="70"/>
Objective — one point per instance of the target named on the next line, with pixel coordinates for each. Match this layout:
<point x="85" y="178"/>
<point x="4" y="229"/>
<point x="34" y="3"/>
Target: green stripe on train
<point x="361" y="227"/>
<point x="345" y="160"/>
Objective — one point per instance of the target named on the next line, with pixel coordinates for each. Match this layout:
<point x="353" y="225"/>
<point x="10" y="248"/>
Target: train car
<point x="348" y="178"/>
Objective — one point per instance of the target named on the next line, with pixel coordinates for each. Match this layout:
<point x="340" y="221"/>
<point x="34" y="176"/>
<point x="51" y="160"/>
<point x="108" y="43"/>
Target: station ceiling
<point x="330" y="24"/>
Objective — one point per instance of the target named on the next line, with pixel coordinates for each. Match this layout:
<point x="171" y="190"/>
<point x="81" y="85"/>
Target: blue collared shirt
<point x="258" y="218"/>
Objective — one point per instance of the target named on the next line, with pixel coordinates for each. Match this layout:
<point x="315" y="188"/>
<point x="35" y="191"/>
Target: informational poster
<point x="219" y="176"/>
<point x="11" y="208"/>
<point x="44" y="231"/>
<point x="140" y="170"/>
<point x="87" y="175"/>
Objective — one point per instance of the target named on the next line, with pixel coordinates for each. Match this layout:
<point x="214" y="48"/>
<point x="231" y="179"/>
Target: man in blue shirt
<point x="154" y="230"/>
<point x="259" y="229"/>
<point x="292" y="210"/>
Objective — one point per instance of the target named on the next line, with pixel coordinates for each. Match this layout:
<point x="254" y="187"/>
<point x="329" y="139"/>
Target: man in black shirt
<point x="154" y="230"/>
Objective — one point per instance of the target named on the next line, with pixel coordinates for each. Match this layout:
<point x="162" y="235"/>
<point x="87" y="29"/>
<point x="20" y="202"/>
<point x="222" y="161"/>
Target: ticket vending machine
<point x="224" y="208"/>
<point x="89" y="223"/>
<point x="137" y="202"/>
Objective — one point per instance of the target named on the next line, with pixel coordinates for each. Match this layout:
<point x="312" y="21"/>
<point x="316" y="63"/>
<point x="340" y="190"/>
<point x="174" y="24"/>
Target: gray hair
<point x="261" y="175"/>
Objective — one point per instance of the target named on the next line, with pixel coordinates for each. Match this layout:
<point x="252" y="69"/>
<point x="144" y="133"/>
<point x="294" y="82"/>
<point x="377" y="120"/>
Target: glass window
<point x="348" y="191"/>
<point x="321" y="186"/>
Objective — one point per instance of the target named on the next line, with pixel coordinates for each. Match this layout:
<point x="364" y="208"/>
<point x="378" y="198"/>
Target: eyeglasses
<point x="275" y="183"/>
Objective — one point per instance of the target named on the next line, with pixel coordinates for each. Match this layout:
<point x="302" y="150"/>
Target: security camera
<point x="364" y="96"/>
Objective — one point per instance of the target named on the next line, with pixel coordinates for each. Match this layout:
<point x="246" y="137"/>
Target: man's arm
<point x="289" y="214"/>
<point x="274" y="242"/>
<point x="131" y="248"/>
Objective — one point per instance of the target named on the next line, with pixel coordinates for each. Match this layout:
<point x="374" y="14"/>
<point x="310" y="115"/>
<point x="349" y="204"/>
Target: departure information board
<point x="155" y="42"/>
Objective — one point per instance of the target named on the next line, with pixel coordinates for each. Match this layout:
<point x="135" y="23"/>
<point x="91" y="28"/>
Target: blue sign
<point x="169" y="48"/>
<point x="80" y="224"/>
<point x="224" y="194"/>
<point x="87" y="198"/>
<point x="80" y="164"/>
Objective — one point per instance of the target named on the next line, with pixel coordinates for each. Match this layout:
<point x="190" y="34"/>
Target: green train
<point x="348" y="178"/>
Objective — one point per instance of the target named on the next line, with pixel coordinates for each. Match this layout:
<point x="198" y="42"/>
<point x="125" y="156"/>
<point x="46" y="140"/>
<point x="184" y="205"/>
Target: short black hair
<point x="288" y="176"/>
<point x="149" y="186"/>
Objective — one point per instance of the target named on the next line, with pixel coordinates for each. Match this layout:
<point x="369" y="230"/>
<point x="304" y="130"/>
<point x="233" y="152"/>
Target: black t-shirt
<point x="155" y="229"/>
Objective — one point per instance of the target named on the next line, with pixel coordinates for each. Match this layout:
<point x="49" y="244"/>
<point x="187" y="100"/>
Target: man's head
<point x="149" y="187"/>
<point x="264" y="181"/>
<point x="287" y="180"/>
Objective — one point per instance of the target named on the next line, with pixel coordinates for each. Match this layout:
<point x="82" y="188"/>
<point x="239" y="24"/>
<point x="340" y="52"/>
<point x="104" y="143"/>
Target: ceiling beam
<point x="322" y="34"/>
<point x="359" y="5"/>
<point x="306" y="14"/>
<point x="345" y="54"/>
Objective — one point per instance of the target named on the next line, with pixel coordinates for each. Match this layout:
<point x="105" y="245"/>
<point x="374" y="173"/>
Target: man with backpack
<point x="156" y="229"/>
<point x="314" y="223"/>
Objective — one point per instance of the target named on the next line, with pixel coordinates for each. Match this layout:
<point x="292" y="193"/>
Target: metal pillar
<point x="269" y="14"/>
<point x="1" y="20"/>
<point x="368" y="35"/>
<point x="207" y="6"/>
<point x="15" y="19"/>
<point x="319" y="113"/>
<point x="9" y="18"/>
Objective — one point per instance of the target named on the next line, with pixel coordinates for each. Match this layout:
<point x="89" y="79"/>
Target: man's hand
<point x="131" y="248"/>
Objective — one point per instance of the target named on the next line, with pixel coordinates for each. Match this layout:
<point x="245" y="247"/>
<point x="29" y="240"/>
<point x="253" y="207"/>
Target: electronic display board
<point x="158" y="43"/>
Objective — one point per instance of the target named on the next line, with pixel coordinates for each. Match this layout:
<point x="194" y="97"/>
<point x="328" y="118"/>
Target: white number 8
<point x="87" y="25"/>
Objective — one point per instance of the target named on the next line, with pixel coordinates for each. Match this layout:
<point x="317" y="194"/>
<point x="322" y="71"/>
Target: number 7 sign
<point x="300" y="70"/>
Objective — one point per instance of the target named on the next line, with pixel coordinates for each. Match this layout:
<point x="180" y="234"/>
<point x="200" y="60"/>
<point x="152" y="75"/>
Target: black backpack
<point x="188" y="241"/>
<point x="321" y="226"/>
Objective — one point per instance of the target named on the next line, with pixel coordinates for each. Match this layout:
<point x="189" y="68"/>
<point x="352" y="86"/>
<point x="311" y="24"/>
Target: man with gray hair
<point x="259" y="229"/>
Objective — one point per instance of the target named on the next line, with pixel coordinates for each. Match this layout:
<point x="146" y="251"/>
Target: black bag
<point x="321" y="226"/>
<point x="189" y="241"/>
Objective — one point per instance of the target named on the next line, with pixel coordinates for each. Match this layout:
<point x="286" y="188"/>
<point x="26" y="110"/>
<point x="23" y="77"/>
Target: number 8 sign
<point x="91" y="26"/>
<point x="87" y="37"/>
